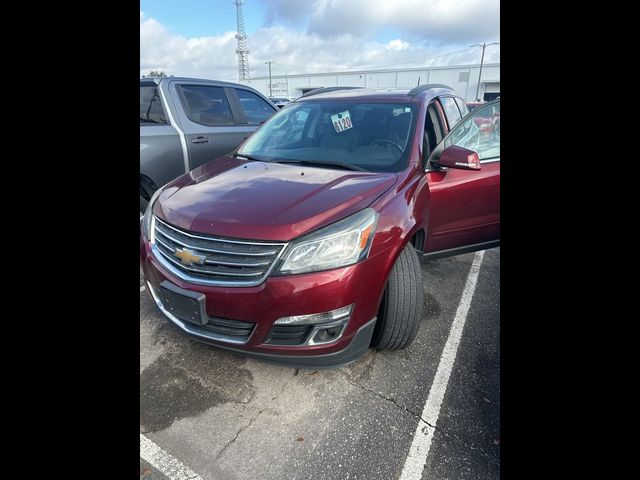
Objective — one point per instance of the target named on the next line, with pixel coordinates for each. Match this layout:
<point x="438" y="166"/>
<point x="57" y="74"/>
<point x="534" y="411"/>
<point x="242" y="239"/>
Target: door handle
<point x="200" y="140"/>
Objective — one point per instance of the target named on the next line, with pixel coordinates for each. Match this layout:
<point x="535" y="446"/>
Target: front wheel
<point x="402" y="304"/>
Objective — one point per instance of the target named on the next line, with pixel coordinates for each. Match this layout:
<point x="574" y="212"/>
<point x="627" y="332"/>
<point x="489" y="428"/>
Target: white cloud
<point x="397" y="45"/>
<point x="299" y="51"/>
<point x="212" y="57"/>
<point x="437" y="21"/>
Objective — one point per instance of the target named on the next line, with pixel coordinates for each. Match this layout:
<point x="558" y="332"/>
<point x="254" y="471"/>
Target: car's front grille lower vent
<point x="233" y="328"/>
<point x="208" y="260"/>
<point x="288" y="334"/>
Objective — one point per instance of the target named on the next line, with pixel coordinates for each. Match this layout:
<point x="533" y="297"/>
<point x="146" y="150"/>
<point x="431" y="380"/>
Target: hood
<point x="229" y="197"/>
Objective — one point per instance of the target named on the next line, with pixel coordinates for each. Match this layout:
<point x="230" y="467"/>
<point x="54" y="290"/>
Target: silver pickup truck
<point x="185" y="122"/>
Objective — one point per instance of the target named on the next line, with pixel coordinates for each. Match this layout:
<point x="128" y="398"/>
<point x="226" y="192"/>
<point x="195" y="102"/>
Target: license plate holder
<point x="184" y="304"/>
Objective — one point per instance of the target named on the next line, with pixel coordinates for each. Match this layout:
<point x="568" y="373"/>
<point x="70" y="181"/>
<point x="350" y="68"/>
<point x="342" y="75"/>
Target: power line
<point x="421" y="60"/>
<point x="320" y="70"/>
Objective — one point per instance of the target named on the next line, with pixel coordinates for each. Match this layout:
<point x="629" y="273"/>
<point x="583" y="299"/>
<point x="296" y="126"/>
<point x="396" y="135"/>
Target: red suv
<point x="304" y="245"/>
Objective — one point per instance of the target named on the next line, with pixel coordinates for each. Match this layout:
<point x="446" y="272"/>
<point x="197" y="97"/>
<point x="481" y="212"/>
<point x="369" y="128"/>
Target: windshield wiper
<point x="314" y="163"/>
<point x="148" y="120"/>
<point x="244" y="156"/>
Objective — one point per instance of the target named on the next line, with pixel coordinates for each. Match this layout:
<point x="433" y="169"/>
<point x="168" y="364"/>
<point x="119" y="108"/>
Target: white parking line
<point x="142" y="288"/>
<point x="419" y="451"/>
<point x="173" y="468"/>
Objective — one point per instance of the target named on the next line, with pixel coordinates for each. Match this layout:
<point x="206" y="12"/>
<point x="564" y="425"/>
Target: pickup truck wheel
<point x="143" y="205"/>
<point x="402" y="304"/>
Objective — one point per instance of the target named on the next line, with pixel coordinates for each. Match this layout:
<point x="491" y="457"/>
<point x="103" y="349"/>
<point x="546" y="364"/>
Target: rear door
<point x="464" y="205"/>
<point x="212" y="127"/>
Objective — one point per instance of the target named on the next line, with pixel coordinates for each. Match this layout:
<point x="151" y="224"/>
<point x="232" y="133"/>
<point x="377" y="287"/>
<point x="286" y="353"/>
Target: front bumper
<point x="281" y="296"/>
<point x="353" y="351"/>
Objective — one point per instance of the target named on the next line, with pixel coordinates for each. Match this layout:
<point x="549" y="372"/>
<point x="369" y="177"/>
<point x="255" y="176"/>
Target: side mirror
<point x="458" y="157"/>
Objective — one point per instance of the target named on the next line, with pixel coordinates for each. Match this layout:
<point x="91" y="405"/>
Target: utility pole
<point x="484" y="45"/>
<point x="270" y="92"/>
<point x="242" y="50"/>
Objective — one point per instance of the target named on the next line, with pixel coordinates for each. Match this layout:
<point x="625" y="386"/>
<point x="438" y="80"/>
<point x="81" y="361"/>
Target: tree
<point x="155" y="73"/>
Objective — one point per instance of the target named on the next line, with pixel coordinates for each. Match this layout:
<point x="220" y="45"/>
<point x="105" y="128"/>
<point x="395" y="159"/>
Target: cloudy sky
<point x="196" y="37"/>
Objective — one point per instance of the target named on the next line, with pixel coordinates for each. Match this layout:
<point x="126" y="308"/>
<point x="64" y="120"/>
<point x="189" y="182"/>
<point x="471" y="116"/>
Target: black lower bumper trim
<point x="356" y="349"/>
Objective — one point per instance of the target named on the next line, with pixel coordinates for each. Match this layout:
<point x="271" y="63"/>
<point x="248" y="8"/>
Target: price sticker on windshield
<point x="341" y="121"/>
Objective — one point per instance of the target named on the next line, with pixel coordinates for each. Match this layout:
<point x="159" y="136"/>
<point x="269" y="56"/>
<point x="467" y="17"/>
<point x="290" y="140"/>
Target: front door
<point x="465" y="204"/>
<point x="211" y="127"/>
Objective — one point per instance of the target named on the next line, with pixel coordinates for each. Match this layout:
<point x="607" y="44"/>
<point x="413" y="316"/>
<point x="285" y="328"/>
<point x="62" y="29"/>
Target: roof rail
<point x="326" y="89"/>
<point x="421" y="88"/>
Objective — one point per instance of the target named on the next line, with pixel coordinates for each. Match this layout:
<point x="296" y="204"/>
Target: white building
<point x="462" y="78"/>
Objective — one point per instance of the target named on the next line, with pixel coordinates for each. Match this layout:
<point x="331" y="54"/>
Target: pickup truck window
<point x="451" y="110"/>
<point x="206" y="105"/>
<point x="255" y="108"/>
<point x="151" y="111"/>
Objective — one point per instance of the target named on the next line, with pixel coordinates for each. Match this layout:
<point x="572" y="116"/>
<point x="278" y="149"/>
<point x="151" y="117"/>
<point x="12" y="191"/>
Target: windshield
<point x="375" y="137"/>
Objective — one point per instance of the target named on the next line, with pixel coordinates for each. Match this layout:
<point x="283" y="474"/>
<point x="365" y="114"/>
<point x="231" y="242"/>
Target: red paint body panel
<point x="464" y="207"/>
<point x="266" y="201"/>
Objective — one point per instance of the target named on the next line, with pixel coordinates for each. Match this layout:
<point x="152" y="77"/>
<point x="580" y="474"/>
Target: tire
<point x="402" y="306"/>
<point x="143" y="205"/>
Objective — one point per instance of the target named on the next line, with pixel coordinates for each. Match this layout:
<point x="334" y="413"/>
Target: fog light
<point x="318" y="328"/>
<point x="326" y="335"/>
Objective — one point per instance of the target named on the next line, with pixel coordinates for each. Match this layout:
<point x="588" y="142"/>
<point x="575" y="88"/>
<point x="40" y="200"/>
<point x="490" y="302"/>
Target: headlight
<point x="337" y="245"/>
<point x="148" y="215"/>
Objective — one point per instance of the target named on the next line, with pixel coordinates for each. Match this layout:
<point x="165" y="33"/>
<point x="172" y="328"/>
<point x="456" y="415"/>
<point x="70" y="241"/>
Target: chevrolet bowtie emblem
<point x="189" y="257"/>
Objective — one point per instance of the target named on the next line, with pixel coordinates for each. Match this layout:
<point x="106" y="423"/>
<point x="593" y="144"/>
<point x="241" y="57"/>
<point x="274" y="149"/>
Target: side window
<point x="433" y="130"/>
<point x="206" y="105"/>
<point x="479" y="132"/>
<point x="450" y="110"/>
<point x="255" y="108"/>
<point x="462" y="107"/>
<point x="151" y="111"/>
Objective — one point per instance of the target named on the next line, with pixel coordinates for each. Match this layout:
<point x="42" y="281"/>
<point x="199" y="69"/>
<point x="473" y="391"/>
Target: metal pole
<point x="484" y="45"/>
<point x="270" y="92"/>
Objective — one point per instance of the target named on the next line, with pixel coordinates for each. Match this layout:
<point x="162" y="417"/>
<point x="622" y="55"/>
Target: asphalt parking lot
<point x="209" y="414"/>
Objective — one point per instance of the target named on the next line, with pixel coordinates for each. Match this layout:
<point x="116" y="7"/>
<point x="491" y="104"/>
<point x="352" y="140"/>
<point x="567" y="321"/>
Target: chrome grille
<point x="227" y="262"/>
